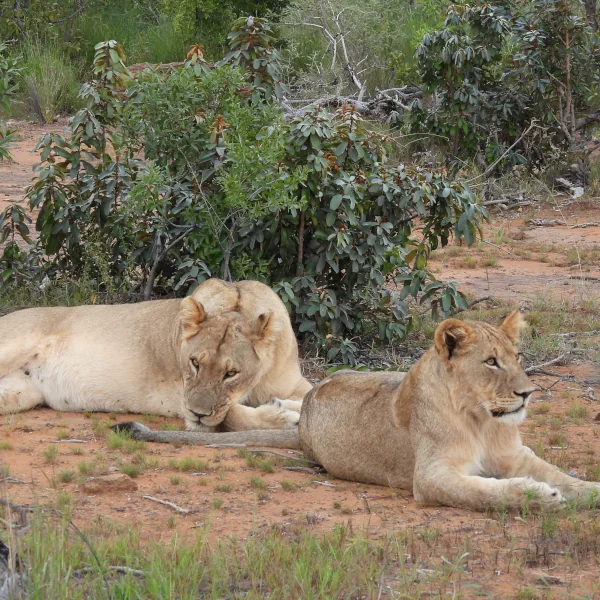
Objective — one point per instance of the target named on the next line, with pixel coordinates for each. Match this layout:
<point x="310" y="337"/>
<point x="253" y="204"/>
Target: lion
<point x="221" y="359"/>
<point x="447" y="429"/>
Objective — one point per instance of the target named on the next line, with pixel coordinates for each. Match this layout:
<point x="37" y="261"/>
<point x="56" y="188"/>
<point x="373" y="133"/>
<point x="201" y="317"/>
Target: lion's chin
<point x="513" y="417"/>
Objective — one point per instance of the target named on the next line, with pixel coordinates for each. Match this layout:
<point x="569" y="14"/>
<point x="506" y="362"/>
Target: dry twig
<point x="548" y="363"/>
<point x="183" y="511"/>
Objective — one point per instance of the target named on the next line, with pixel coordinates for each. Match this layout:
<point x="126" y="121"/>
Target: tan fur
<point x="447" y="430"/>
<point x="142" y="358"/>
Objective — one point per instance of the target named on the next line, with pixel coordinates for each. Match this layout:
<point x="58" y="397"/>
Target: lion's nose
<point x="200" y="414"/>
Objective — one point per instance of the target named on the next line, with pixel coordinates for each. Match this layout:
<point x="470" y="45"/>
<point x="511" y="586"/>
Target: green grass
<point x="223" y="487"/>
<point x="66" y="476"/>
<point x="4" y="445"/>
<point x="51" y="454"/>
<point x="49" y="81"/>
<point x="257" y="483"/>
<point x="132" y="470"/>
<point x="145" y="35"/>
<point x="188" y="464"/>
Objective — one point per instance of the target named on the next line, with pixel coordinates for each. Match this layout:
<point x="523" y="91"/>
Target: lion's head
<point x="222" y="357"/>
<point x="486" y="366"/>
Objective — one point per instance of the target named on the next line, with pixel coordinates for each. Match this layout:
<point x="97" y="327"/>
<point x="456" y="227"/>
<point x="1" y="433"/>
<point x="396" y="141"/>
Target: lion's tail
<point x="273" y="438"/>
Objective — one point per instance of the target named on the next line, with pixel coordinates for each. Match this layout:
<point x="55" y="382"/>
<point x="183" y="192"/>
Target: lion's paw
<point x="272" y="416"/>
<point x="545" y="495"/>
<point x="295" y="405"/>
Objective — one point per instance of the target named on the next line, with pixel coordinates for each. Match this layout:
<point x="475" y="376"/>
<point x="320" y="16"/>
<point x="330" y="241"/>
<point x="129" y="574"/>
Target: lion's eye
<point x="195" y="364"/>
<point x="230" y="374"/>
<point x="492" y="362"/>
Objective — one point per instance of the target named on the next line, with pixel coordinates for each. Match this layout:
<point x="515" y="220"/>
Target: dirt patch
<point x="518" y="261"/>
<point x="16" y="176"/>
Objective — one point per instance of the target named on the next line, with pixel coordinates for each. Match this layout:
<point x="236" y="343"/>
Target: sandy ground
<point x="318" y="501"/>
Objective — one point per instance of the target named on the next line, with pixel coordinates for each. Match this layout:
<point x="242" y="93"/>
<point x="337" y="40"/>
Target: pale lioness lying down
<point x="211" y="358"/>
<point x="447" y="430"/>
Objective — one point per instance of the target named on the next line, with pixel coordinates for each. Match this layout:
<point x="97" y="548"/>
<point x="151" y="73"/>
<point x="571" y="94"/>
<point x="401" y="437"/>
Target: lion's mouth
<point x="502" y="412"/>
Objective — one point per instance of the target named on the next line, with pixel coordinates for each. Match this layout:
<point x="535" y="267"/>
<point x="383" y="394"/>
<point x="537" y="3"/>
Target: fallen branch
<point x="23" y="510"/>
<point x="226" y="446"/>
<point x="583" y="225"/>
<point x="545" y="222"/>
<point x="474" y="302"/>
<point x="183" y="511"/>
<point x="69" y="442"/>
<point x="261" y="451"/>
<point x="584" y="278"/>
<point x="540" y="371"/>
<point x="501" y="248"/>
<point x="303" y="469"/>
<point x="548" y="363"/>
<point x="122" y="570"/>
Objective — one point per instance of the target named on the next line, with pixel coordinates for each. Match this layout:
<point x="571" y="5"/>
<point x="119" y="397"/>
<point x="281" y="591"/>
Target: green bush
<point x="9" y="72"/>
<point x="174" y="177"/>
<point x="510" y="80"/>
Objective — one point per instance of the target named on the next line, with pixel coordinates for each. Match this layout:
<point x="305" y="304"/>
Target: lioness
<point x="215" y="358"/>
<point x="446" y="430"/>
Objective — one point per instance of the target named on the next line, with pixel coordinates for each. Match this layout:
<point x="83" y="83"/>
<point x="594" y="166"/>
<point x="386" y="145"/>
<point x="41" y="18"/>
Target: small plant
<point x="469" y="262"/>
<point x="258" y="483"/>
<point x="4" y="471"/>
<point x="51" y="454"/>
<point x="176" y="480"/>
<point x="548" y="524"/>
<point x="262" y="495"/>
<point x="216" y="503"/>
<point x="542" y="408"/>
<point x="188" y="464"/>
<point x="132" y="470"/>
<point x="490" y="261"/>
<point x="131" y="446"/>
<point x="85" y="468"/>
<point x="66" y="476"/>
<point x="114" y="440"/>
<point x="76" y="450"/>
<point x="171" y="522"/>
<point x="4" y="445"/>
<point x="223" y="487"/>
<point x="429" y="534"/>
<point x="578" y="412"/>
<point x="266" y="465"/>
<point x="288" y="485"/>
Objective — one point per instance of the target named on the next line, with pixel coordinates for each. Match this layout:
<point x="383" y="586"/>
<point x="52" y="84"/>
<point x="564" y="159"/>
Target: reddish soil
<point x="16" y="176"/>
<point x="505" y="554"/>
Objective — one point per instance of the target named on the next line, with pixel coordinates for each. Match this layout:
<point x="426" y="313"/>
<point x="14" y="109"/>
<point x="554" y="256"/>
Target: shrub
<point x="227" y="187"/>
<point x="510" y="80"/>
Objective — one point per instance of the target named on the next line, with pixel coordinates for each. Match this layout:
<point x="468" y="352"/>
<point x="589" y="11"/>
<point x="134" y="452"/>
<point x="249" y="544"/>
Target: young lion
<point x="447" y="430"/>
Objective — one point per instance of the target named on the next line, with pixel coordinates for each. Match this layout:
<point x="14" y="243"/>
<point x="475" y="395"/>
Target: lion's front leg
<point x="527" y="464"/>
<point x="267" y="416"/>
<point x="441" y="482"/>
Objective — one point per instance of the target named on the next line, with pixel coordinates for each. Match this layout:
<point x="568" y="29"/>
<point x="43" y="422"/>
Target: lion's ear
<point x="266" y="327"/>
<point x="512" y="326"/>
<point x="452" y="337"/>
<point x="191" y="314"/>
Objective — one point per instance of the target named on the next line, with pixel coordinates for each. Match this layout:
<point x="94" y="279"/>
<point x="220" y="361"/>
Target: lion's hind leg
<point x="18" y="393"/>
